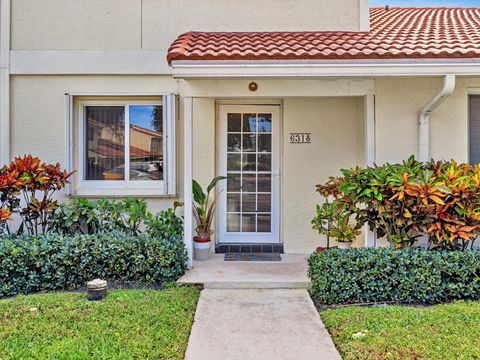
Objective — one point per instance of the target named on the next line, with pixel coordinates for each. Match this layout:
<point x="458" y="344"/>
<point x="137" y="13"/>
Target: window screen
<point x="105" y="143"/>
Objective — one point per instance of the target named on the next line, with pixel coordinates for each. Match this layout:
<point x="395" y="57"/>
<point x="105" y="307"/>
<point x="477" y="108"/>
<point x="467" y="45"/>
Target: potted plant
<point x="203" y="212"/>
<point x="333" y="220"/>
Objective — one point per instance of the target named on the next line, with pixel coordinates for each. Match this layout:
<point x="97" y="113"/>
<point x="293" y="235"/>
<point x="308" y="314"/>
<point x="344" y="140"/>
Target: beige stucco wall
<point x="73" y="24"/>
<point x="38" y="127"/>
<point x="302" y="165"/>
<point x="204" y="139"/>
<point x="397" y="105"/>
<point x="38" y="107"/>
<point x="38" y="102"/>
<point x="154" y="24"/>
<point x="337" y="135"/>
<point x="336" y="124"/>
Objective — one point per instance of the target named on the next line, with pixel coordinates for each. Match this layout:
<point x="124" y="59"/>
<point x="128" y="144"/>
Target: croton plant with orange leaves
<point x="402" y="202"/>
<point x="35" y="182"/>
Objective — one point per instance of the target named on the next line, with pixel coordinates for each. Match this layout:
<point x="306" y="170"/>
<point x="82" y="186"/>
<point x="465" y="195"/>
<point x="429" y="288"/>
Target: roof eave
<point x="325" y="68"/>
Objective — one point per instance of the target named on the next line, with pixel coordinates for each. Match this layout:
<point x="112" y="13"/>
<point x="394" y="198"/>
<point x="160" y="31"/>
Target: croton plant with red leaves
<point x="36" y="182"/>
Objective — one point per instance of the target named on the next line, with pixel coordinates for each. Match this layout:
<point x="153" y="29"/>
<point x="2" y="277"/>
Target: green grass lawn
<point x="450" y="331"/>
<point x="128" y="324"/>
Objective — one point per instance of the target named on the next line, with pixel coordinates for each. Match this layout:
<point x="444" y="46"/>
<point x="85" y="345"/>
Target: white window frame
<point x="105" y="188"/>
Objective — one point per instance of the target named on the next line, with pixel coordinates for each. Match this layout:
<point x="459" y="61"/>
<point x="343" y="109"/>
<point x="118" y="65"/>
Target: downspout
<point x="424" y="117"/>
<point x="4" y="82"/>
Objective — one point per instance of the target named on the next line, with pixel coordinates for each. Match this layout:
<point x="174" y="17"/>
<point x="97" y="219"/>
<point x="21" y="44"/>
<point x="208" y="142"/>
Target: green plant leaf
<point x="214" y="182"/>
<point x="198" y="195"/>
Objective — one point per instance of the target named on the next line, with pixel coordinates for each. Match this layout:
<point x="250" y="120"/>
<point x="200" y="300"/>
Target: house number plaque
<point x="300" y="138"/>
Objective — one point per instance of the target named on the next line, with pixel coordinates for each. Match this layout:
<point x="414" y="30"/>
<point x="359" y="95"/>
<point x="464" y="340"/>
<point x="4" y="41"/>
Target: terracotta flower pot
<point x="201" y="248"/>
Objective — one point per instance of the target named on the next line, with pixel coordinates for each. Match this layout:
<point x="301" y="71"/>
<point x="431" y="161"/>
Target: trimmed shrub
<point x="128" y="217"/>
<point x="407" y="275"/>
<point x="164" y="223"/>
<point x="57" y="262"/>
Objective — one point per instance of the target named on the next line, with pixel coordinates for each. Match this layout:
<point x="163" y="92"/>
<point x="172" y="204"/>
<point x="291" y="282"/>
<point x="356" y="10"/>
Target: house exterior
<point x="141" y="96"/>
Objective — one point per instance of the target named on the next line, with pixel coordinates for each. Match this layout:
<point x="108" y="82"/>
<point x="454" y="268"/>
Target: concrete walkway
<point x="257" y="311"/>
<point x="258" y="324"/>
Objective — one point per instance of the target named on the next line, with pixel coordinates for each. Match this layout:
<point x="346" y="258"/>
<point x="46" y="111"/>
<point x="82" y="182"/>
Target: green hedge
<point x="381" y="274"/>
<point x="56" y="262"/>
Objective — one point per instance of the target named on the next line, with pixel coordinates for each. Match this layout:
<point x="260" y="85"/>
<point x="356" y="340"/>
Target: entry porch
<point x="255" y="133"/>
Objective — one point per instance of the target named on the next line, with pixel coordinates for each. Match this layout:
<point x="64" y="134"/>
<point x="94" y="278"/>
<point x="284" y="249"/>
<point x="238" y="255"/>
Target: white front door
<point x="249" y="155"/>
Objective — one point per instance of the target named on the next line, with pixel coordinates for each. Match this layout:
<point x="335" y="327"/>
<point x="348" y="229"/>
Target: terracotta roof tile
<point x="397" y="33"/>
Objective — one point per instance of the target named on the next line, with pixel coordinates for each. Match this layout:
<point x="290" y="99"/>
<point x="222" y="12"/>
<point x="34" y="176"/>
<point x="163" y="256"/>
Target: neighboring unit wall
<point x="337" y="141"/>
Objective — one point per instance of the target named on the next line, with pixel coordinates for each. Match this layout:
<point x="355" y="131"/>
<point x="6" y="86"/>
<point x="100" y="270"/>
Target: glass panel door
<point x="249" y="158"/>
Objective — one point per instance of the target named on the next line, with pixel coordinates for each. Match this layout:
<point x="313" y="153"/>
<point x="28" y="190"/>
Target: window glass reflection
<point x="146" y="142"/>
<point x="264" y="122"/>
<point x="249" y="123"/>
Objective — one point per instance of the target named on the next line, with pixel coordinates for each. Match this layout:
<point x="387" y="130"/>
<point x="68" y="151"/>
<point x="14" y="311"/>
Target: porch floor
<point x="215" y="273"/>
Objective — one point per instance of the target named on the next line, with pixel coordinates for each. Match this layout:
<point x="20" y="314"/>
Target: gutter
<point x="424" y="116"/>
<point x="5" y="82"/>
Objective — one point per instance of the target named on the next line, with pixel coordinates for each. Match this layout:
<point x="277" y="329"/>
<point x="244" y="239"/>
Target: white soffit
<point x="347" y="68"/>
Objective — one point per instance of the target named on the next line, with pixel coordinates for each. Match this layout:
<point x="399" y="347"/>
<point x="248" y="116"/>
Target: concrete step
<point x="215" y="273"/>
<point x="251" y="284"/>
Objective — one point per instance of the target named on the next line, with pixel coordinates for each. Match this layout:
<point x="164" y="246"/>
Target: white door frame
<point x="223" y="236"/>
